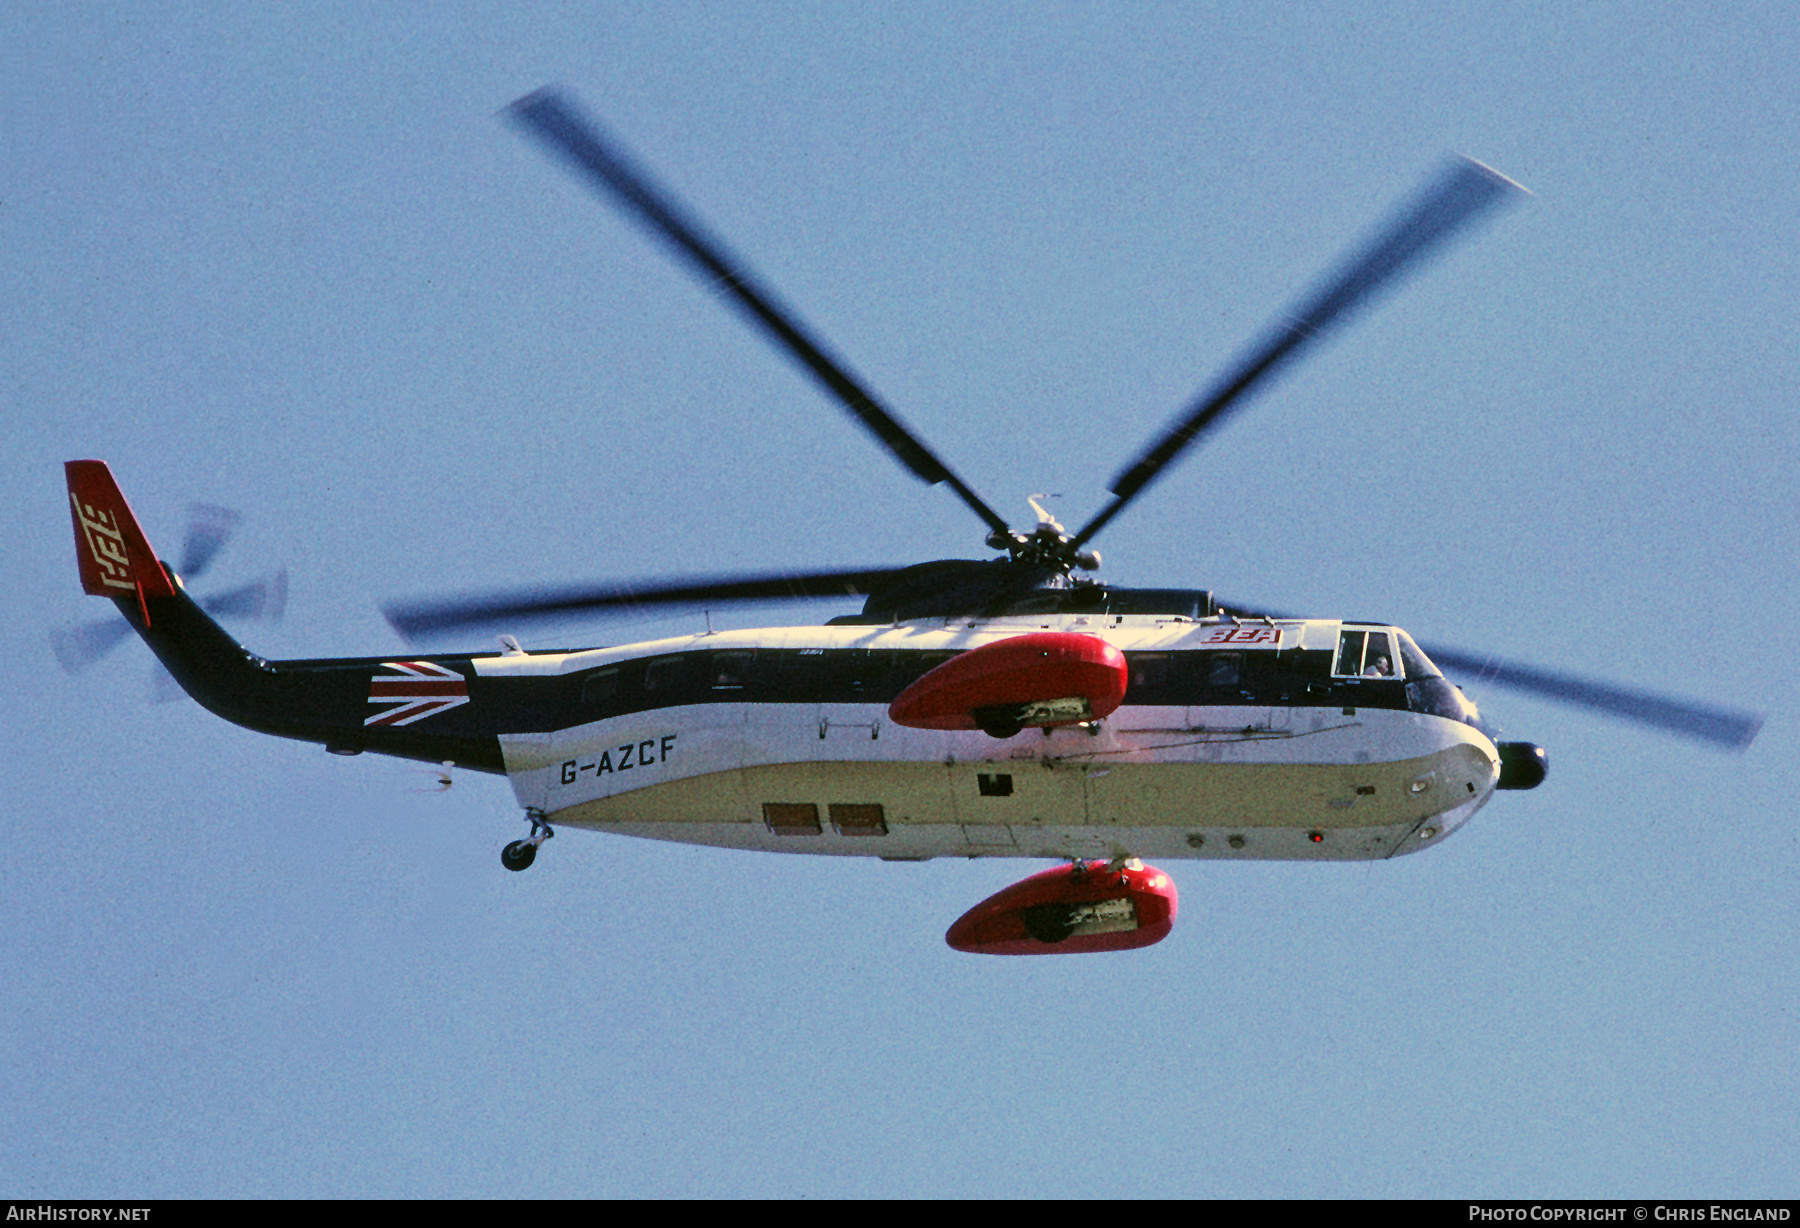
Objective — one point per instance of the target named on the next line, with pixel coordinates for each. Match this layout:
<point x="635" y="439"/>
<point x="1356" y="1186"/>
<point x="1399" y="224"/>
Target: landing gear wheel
<point x="1004" y="721"/>
<point x="521" y="853"/>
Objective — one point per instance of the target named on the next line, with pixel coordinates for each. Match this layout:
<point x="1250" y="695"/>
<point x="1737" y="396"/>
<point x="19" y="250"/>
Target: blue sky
<point x="293" y="263"/>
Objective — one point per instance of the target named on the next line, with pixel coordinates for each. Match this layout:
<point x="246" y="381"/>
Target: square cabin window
<point x="665" y="674"/>
<point x="730" y="671"/>
<point x="601" y="687"/>
<point x="792" y="818"/>
<point x="1149" y="670"/>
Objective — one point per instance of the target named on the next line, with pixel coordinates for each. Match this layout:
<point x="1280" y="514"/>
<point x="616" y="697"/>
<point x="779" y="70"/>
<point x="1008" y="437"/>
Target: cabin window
<point x="850" y="675"/>
<point x="1148" y="670"/>
<point x="858" y="820"/>
<point x="792" y="818"/>
<point x="918" y="664"/>
<point x="665" y="674"/>
<point x="869" y="669"/>
<point x="601" y="686"/>
<point x="730" y="671"/>
<point x="1224" y="668"/>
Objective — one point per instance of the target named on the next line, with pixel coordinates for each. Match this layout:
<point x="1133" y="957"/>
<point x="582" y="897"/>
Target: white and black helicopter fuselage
<point x="1236" y="737"/>
<point x="1265" y="740"/>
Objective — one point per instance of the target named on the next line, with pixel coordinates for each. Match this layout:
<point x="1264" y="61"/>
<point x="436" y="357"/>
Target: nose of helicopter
<point x="1523" y="765"/>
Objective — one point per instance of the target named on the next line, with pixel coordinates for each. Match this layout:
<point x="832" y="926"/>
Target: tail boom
<point x="346" y="704"/>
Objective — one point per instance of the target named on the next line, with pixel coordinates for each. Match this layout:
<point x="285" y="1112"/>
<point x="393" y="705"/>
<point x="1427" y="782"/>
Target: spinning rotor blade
<point x="163" y="687"/>
<point x="555" y="121"/>
<point x="1724" y="727"/>
<point x="77" y="648"/>
<point x="265" y="599"/>
<point x="209" y="528"/>
<point x="1457" y="197"/>
<point x="420" y="618"/>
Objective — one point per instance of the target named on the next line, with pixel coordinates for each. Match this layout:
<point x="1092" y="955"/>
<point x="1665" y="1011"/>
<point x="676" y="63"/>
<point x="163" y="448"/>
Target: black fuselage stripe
<point x="332" y="701"/>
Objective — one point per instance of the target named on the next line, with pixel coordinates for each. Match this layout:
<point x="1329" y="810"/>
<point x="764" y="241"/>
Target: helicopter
<point x="1012" y="706"/>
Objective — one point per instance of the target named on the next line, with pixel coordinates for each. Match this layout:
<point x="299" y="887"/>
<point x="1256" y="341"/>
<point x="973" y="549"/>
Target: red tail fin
<point x="110" y="548"/>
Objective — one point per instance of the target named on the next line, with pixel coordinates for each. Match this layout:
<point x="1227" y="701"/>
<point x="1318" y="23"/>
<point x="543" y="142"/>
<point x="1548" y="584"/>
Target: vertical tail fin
<point x="110" y="547"/>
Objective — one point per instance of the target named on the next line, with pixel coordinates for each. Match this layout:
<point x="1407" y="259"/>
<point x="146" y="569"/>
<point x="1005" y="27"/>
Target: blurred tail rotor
<point x="209" y="529"/>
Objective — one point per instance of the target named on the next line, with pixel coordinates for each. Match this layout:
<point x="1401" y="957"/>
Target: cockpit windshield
<point x="1418" y="665"/>
<point x="1384" y="652"/>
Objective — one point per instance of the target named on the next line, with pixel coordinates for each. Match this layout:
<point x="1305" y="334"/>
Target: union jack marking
<point x="421" y="689"/>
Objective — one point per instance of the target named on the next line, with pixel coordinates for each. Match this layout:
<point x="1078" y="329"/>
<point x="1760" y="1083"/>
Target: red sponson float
<point x="1071" y="909"/>
<point x="1043" y="679"/>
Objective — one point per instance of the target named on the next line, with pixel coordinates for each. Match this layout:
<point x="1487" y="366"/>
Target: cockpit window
<point x="1365" y="654"/>
<point x="1378" y="657"/>
<point x="1418" y="665"/>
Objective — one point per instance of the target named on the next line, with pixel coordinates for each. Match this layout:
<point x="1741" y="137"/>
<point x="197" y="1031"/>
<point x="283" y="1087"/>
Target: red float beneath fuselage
<point x="1043" y="679"/>
<point x="1086" y="906"/>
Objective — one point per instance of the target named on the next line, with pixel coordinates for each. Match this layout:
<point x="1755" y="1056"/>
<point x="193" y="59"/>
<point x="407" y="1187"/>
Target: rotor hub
<point x="1046" y="546"/>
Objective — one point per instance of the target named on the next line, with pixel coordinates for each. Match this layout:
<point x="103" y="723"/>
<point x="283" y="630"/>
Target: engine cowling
<point x="1043" y="679"/>
<point x="1070" y="910"/>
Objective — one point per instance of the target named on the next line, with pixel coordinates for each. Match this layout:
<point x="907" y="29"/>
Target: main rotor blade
<point x="1460" y="194"/>
<point x="1727" y="727"/>
<point x="1724" y="727"/>
<point x="555" y="121"/>
<point x="413" y="619"/>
